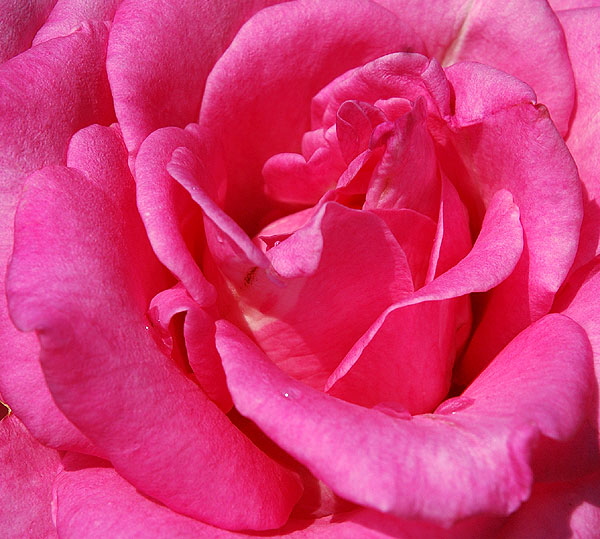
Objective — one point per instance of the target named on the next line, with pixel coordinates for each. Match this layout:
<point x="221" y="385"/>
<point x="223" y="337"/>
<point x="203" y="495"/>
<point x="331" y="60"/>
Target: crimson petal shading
<point x="82" y="285"/>
<point x="43" y="101"/>
<point x="469" y="458"/>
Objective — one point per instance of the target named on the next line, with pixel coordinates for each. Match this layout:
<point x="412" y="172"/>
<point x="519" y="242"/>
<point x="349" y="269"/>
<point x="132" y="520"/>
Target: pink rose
<point x="302" y="269"/>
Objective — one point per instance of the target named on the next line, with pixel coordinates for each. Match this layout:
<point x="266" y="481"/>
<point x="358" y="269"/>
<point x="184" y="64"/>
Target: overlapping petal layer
<point x="157" y="427"/>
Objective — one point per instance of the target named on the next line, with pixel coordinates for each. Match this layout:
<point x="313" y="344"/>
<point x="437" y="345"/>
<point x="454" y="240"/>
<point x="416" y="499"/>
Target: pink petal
<point x="583" y="40"/>
<point x="572" y="4"/>
<point x="43" y="101"/>
<point x="411" y="76"/>
<point x="68" y="14"/>
<point x="558" y="510"/>
<point x="509" y="143"/>
<point x="578" y="300"/>
<point x="199" y="341"/>
<point x="414" y="232"/>
<point x="452" y="239"/>
<point x="521" y="38"/>
<point x="87" y="302"/>
<point x="19" y="21"/>
<point x="339" y="250"/>
<point x="260" y="116"/>
<point x="407" y="355"/>
<point x="83" y="494"/>
<point x="26" y="479"/>
<point x="407" y="174"/>
<point x="154" y="85"/>
<point x="171" y="220"/>
<point x="96" y="502"/>
<point x="470" y="457"/>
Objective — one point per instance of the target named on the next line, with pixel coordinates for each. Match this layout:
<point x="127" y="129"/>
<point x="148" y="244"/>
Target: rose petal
<point x="87" y="302"/>
<point x="512" y="144"/>
<point x="43" y="101"/>
<point x="407" y="174"/>
<point x="407" y="355"/>
<point x="26" y="478"/>
<point x="153" y="84"/>
<point x="558" y="510"/>
<point x="19" y="21"/>
<point x="199" y="341"/>
<point x="471" y="458"/>
<point x="452" y="239"/>
<point x="583" y="41"/>
<point x="578" y="300"/>
<point x="68" y="14"/>
<point x="413" y="232"/>
<point x="171" y="221"/>
<point x="524" y="39"/>
<point x="83" y="495"/>
<point x="572" y="4"/>
<point x="409" y="76"/>
<point x="260" y="116"/>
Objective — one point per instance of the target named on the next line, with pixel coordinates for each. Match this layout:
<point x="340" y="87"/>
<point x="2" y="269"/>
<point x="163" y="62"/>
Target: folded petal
<point x="68" y="14"/>
<point x="471" y="456"/>
<point x="260" y="116"/>
<point x="524" y="39"/>
<point x="26" y="480"/>
<point x="198" y="341"/>
<point x="153" y="84"/>
<point x="512" y="144"/>
<point x="172" y="222"/>
<point x="87" y="302"/>
<point x="406" y="357"/>
<point x="19" y="21"/>
<point x="43" y="101"/>
<point x="583" y="41"/>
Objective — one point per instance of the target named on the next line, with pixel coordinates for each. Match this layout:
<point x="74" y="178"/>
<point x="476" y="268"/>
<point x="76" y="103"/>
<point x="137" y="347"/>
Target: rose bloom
<point x="300" y="269"/>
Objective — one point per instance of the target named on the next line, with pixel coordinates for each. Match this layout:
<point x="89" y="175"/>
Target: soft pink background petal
<point x="470" y="457"/>
<point x="583" y="40"/>
<point x="258" y="94"/>
<point x="26" y="479"/>
<point x="159" y="56"/>
<point x="522" y="38"/>
<point x="19" y="21"/>
<point x="501" y="140"/>
<point x="87" y="301"/>
<point x="68" y="14"/>
<point x="43" y="101"/>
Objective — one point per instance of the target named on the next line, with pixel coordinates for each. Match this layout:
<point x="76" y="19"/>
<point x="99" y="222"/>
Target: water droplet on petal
<point x="290" y="393"/>
<point x="456" y="404"/>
